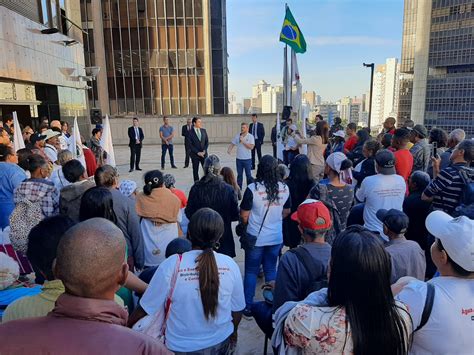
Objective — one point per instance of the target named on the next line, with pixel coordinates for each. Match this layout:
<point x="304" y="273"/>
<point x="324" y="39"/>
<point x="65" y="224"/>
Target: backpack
<point x="310" y="265"/>
<point x="467" y="176"/>
<point x="320" y="192"/>
<point x="24" y="217"/>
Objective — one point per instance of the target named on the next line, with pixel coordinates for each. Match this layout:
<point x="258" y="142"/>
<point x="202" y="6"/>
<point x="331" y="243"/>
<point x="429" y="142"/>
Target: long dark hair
<point x="300" y="180"/>
<point x="267" y="175"/>
<point x="97" y="202"/>
<point x="205" y="229"/>
<point x="153" y="179"/>
<point x="360" y="282"/>
<point x="322" y="130"/>
<point x="362" y="136"/>
<point x="229" y="177"/>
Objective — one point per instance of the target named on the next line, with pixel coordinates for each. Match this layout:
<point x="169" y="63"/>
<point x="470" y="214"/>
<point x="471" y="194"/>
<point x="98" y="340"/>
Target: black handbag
<point x="247" y="240"/>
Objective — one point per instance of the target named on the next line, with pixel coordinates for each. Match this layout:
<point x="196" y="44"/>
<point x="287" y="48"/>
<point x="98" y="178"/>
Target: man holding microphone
<point x="245" y="142"/>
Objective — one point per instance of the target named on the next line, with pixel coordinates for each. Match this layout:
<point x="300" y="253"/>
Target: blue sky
<point x="340" y="36"/>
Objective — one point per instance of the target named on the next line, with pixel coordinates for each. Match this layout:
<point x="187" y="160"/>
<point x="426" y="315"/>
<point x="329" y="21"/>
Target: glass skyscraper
<point x="162" y="57"/>
<point x="437" y="82"/>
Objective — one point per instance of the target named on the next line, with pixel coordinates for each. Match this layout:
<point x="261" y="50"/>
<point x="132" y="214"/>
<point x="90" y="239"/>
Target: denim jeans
<point x="164" y="148"/>
<point x="262" y="313"/>
<point x="244" y="165"/>
<point x="267" y="256"/>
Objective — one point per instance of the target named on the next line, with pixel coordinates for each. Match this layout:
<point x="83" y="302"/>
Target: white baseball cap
<point x="339" y="134"/>
<point x="457" y="236"/>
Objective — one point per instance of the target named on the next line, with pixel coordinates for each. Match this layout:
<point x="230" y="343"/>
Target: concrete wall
<point x="220" y="128"/>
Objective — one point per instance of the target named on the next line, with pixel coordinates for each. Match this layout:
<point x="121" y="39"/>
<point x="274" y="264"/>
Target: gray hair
<point x="169" y="180"/>
<point x="212" y="165"/>
<point x="457" y="135"/>
<point x="64" y="156"/>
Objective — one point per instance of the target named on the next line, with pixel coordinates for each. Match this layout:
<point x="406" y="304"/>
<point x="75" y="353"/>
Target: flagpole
<point x="285" y="75"/>
<point x="292" y="78"/>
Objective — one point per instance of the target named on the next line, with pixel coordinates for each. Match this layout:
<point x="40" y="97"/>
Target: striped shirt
<point x="446" y="189"/>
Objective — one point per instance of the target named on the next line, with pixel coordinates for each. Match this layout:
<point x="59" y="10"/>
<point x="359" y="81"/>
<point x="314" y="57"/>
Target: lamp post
<point x="371" y="66"/>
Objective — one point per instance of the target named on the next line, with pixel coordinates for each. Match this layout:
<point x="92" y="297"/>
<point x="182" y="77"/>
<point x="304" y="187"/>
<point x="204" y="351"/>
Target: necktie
<point x="198" y="132"/>
<point x="137" y="136"/>
<point x="255" y="130"/>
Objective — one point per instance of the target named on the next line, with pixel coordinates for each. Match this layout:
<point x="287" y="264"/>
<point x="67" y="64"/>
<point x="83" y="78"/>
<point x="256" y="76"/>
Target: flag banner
<point x="279" y="142"/>
<point x="295" y="73"/>
<point x="291" y="33"/>
<point x="106" y="142"/>
<point x="75" y="144"/>
<point x="304" y="147"/>
<point x="18" y="142"/>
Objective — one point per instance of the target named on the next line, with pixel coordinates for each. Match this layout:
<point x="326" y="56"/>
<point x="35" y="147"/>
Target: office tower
<point x="345" y="108"/>
<point x="42" y="67"/>
<point x="160" y="57"/>
<point x="247" y="103"/>
<point x="437" y="67"/>
<point x="310" y="98"/>
<point x="385" y="92"/>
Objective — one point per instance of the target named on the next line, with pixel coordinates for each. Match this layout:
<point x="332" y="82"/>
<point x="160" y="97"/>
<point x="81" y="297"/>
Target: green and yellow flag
<point x="291" y="33"/>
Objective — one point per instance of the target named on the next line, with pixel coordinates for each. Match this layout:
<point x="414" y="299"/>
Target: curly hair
<point x="267" y="175"/>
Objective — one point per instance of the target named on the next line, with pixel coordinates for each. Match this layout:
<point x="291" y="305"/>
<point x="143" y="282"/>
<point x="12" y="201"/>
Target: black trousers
<point x="258" y="148"/>
<point x="196" y="160"/>
<point x="135" y="154"/>
<point x="187" y="151"/>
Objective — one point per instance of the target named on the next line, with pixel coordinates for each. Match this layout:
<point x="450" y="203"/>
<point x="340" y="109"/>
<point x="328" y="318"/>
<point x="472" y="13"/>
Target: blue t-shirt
<point x="167" y="131"/>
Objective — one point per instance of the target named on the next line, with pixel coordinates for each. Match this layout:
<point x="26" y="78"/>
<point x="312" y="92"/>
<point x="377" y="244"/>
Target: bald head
<point x="91" y="259"/>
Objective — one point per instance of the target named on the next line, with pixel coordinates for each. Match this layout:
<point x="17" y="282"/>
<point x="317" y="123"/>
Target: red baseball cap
<point x="313" y="215"/>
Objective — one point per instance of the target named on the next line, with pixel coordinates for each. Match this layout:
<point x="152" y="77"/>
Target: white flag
<point x="18" y="142"/>
<point x="75" y="144"/>
<point x="295" y="73"/>
<point x="106" y="142"/>
<point x="279" y="142"/>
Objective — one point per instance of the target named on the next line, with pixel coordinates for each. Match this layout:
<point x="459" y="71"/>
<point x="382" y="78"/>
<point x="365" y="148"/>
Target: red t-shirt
<point x="181" y="195"/>
<point x="350" y="143"/>
<point x="403" y="163"/>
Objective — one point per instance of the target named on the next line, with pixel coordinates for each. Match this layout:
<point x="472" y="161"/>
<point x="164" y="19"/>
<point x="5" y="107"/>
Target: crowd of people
<point x="364" y="243"/>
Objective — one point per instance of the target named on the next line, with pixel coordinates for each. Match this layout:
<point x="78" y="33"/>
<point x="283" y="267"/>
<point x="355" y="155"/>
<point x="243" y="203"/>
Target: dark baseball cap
<point x="394" y="220"/>
<point x="421" y="130"/>
<point x="385" y="161"/>
<point x="36" y="137"/>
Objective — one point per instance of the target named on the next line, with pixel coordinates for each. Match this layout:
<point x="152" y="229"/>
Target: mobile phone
<point x="434" y="146"/>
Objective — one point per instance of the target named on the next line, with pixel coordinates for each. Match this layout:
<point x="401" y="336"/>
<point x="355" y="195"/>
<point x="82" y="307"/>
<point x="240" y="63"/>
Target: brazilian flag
<point x="291" y="34"/>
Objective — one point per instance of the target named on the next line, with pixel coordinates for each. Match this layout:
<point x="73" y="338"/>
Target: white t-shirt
<point x="58" y="179"/>
<point x="450" y="327"/>
<point x="187" y="328"/>
<point x="380" y="192"/>
<point x="243" y="153"/>
<point x="255" y="201"/>
<point x="155" y="239"/>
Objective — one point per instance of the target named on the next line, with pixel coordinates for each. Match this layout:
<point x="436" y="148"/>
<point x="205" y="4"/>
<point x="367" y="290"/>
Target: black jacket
<point x="184" y="133"/>
<point x="367" y="169"/>
<point x="196" y="145"/>
<point x="274" y="135"/>
<point x="132" y="138"/>
<point x="260" y="131"/>
<point x="216" y="194"/>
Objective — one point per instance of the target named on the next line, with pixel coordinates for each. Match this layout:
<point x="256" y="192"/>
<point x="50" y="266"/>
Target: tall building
<point x="247" y="103"/>
<point x="234" y="106"/>
<point x="157" y="57"/>
<point x="42" y="70"/>
<point x="437" y="67"/>
<point x="385" y="92"/>
<point x="329" y="111"/>
<point x="310" y="98"/>
<point x="345" y="108"/>
<point x="318" y="100"/>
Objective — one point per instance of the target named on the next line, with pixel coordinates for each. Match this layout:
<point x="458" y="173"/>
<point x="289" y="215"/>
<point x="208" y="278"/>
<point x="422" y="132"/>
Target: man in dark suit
<point x="257" y="130"/>
<point x="185" y="130"/>
<point x="198" y="144"/>
<point x="135" y="136"/>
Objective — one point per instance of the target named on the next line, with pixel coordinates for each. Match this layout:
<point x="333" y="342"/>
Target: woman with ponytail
<point x="159" y="212"/>
<point x="207" y="297"/>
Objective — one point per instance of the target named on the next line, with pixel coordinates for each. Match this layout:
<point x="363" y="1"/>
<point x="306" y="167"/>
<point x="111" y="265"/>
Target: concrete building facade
<point x="158" y="56"/>
<point x="42" y="69"/>
<point x="437" y="68"/>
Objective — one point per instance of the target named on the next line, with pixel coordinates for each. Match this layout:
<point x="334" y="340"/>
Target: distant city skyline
<point x="341" y="35"/>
